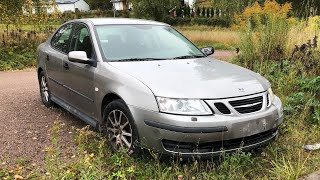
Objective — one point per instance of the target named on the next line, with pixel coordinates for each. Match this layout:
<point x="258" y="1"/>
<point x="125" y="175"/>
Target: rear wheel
<point x="120" y="128"/>
<point x="44" y="90"/>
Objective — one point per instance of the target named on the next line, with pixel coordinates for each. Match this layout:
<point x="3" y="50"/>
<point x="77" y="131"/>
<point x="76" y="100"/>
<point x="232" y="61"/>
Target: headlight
<point x="271" y="96"/>
<point x="183" y="106"/>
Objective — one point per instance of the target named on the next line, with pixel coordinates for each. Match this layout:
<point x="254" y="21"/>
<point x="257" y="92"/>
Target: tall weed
<point x="265" y="32"/>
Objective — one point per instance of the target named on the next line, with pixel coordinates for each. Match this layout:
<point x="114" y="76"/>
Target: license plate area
<point x="248" y="128"/>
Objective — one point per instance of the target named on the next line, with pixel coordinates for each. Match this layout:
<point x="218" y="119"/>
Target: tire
<point x="121" y="134"/>
<point x="44" y="90"/>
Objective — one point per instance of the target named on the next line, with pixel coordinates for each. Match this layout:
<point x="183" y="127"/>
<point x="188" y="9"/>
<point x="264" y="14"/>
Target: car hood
<point x="204" y="78"/>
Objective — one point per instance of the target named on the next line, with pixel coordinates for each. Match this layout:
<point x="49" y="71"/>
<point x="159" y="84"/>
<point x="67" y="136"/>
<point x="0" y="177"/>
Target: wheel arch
<point x="108" y="98"/>
<point x="39" y="71"/>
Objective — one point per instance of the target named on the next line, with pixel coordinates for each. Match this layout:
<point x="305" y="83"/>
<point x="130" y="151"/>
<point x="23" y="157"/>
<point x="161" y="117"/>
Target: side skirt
<point x="75" y="112"/>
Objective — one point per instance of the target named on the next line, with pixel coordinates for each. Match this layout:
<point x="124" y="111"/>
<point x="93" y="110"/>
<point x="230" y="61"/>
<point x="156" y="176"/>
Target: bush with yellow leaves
<point x="265" y="30"/>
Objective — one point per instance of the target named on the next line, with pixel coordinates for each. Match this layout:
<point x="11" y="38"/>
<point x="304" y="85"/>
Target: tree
<point x="11" y="12"/>
<point x="304" y="8"/>
<point x="198" y="12"/>
<point x="208" y="12"/>
<point x="178" y="12"/>
<point x="187" y="11"/>
<point x="233" y="6"/>
<point x="203" y="13"/>
<point x="301" y="8"/>
<point x="212" y="12"/>
<point x="100" y="4"/>
<point x="153" y="9"/>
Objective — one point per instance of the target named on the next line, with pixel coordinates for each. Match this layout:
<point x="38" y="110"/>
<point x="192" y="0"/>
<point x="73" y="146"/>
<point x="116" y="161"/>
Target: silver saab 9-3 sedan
<point x="145" y="85"/>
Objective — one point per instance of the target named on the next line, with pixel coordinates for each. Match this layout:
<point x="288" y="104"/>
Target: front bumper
<point x="206" y="135"/>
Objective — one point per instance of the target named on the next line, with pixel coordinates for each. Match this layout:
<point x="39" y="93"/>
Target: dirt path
<point x="224" y="54"/>
<point x="24" y="121"/>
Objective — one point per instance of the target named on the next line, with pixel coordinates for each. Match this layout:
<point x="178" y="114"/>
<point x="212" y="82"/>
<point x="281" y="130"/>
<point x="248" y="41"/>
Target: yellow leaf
<point x="16" y="177"/>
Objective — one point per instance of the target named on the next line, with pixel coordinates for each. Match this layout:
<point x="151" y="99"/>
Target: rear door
<point x="79" y="78"/>
<point x="55" y="55"/>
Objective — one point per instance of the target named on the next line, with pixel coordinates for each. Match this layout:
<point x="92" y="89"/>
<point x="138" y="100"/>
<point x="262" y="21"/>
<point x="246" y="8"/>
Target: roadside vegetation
<point x="273" y="43"/>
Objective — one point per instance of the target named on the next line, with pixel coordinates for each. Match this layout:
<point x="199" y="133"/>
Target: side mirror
<point x="79" y="57"/>
<point x="208" y="50"/>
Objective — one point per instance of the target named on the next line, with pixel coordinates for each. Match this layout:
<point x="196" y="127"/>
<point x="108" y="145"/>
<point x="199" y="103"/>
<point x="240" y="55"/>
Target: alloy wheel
<point x="119" y="130"/>
<point x="44" y="89"/>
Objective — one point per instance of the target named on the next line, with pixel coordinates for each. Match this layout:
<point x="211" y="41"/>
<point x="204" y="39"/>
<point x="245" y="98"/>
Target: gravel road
<point x="24" y="121"/>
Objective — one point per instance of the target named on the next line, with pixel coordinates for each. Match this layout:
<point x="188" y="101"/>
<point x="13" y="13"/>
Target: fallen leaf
<point x="17" y="177"/>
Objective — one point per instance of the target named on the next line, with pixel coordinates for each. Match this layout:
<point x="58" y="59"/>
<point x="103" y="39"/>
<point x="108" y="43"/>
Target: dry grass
<point x="204" y="3"/>
<point x="299" y="35"/>
<point x="217" y="37"/>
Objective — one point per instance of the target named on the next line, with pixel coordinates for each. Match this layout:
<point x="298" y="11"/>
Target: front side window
<point x="129" y="42"/>
<point x="81" y="40"/>
<point x="61" y="40"/>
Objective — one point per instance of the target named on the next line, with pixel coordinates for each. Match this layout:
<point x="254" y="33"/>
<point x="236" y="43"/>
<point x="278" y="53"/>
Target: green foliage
<point x="11" y="12"/>
<point x="265" y="32"/>
<point x="178" y="12"/>
<point x="12" y="61"/>
<point x="203" y="12"/>
<point x="153" y="9"/>
<point x="208" y="12"/>
<point x="100" y="4"/>
<point x="212" y="12"/>
<point x="18" y="48"/>
<point x="304" y="8"/>
<point x="219" y="22"/>
<point x="233" y="6"/>
<point x="198" y="11"/>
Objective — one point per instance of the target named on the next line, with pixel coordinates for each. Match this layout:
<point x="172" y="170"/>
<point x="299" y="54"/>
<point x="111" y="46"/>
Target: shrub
<point x="221" y="22"/>
<point x="265" y="32"/>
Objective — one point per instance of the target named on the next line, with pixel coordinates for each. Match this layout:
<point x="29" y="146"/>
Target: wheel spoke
<point x="115" y="118"/>
<point x="125" y="133"/>
<point x="125" y="141"/>
<point x="46" y="95"/>
<point x="112" y="137"/>
<point x="112" y="123"/>
<point x="112" y="130"/>
<point x="43" y="81"/>
<point x="120" y="116"/>
<point x="125" y="124"/>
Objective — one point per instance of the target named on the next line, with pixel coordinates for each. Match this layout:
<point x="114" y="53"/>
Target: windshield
<point x="144" y="42"/>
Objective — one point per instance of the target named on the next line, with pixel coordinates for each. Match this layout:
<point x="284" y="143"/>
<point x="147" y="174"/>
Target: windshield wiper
<point x="189" y="57"/>
<point x="138" y="59"/>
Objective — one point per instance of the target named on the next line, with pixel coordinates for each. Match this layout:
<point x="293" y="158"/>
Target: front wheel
<point x="44" y="90"/>
<point x="120" y="128"/>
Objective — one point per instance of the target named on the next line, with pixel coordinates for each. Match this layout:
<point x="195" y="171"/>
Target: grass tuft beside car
<point x="144" y="84"/>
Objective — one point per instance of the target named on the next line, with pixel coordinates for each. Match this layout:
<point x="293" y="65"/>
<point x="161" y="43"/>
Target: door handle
<point x="66" y="66"/>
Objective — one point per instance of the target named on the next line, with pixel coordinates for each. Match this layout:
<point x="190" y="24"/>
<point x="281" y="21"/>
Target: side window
<point x="61" y="40"/>
<point x="81" y="40"/>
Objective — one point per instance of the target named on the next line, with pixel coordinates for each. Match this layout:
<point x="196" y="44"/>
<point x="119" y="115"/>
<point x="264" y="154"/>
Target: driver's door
<point x="79" y="78"/>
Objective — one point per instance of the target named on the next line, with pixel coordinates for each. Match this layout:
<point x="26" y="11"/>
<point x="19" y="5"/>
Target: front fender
<point x="109" y="79"/>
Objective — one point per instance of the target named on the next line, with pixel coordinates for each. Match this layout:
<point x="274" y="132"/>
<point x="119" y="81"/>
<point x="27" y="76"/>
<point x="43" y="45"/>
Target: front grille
<point x="185" y="147"/>
<point x="268" y="100"/>
<point x="222" y="108"/>
<point x="250" y="105"/>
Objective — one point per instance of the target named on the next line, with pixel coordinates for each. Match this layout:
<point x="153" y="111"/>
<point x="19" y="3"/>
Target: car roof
<point x="109" y="21"/>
